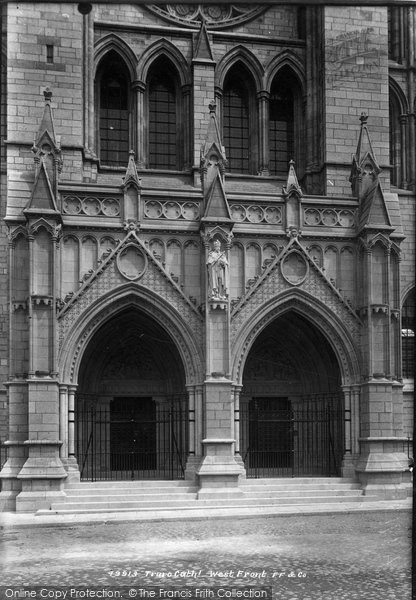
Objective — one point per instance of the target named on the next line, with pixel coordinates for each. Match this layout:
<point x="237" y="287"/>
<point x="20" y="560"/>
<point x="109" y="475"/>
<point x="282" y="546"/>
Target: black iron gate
<point x="131" y="438"/>
<point x="292" y="438"/>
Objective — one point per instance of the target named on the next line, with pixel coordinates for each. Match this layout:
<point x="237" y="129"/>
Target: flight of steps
<point x="123" y="496"/>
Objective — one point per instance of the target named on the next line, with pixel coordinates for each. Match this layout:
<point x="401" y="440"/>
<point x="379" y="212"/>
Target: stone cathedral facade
<point x="207" y="245"/>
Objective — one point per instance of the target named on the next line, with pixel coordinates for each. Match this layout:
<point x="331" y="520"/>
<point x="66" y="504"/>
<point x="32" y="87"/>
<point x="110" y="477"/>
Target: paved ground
<point x="331" y="557"/>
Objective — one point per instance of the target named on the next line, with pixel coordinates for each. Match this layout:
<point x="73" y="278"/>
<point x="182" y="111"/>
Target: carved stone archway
<point x="130" y="295"/>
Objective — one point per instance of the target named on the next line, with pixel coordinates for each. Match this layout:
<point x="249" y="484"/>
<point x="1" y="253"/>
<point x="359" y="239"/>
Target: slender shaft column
<point x="139" y="88"/>
<point x="71" y="421"/>
<point x="63" y="420"/>
<point x="403" y="157"/>
<point x="355" y="420"/>
<point x="191" y="421"/>
<point x="53" y="361"/>
<point x="237" y="392"/>
<point x="187" y="152"/>
<point x="347" y="462"/>
<point x="30" y="307"/>
<point x="411" y="50"/>
<point x="263" y="115"/>
<point x="388" y="357"/>
<point x="88" y="69"/>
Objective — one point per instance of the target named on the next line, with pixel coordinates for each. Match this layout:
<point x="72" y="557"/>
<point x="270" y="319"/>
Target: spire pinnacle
<point x="213" y="158"/>
<point x="131" y="177"/>
<point x="364" y="169"/>
<point x="202" y="49"/>
<point x="292" y="183"/>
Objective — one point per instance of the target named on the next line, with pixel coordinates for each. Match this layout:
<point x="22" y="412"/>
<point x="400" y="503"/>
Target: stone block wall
<point x="356" y="66"/>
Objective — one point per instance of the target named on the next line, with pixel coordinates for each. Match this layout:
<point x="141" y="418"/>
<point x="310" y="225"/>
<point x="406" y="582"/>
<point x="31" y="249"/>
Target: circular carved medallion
<point x="214" y="15"/>
<point x="294" y="268"/>
<point x="131" y="262"/>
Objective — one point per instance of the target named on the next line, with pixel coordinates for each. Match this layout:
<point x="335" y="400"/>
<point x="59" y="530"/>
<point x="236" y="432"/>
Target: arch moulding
<point x="249" y="60"/>
<point x="285" y="59"/>
<point x="166" y="48"/>
<point x="114" y="42"/>
<point x="109" y="306"/>
<point x="313" y="310"/>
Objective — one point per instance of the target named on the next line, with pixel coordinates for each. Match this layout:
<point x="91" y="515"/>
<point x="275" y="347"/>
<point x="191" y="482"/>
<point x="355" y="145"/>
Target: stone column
<point x="11" y="486"/>
<point x="236" y="435"/>
<point x="263" y="99"/>
<point x="43" y="473"/>
<point x="194" y="457"/>
<point x="347" y="461"/>
<point x="187" y="111"/>
<point x="403" y="154"/>
<point x="139" y="88"/>
<point x="63" y="420"/>
<point x="219" y="472"/>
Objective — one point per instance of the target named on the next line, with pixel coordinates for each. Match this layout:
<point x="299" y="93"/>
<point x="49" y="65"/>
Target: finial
<point x="47" y="94"/>
<point x="212" y="107"/>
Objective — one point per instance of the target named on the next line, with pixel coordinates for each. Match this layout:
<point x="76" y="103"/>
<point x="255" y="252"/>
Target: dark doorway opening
<point x="132" y="434"/>
<point x="270" y="433"/>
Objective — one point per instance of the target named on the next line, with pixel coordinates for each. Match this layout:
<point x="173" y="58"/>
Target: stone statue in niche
<point x="217" y="265"/>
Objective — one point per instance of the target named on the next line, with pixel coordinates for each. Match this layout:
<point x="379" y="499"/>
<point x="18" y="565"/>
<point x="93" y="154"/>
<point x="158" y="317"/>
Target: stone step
<point x="157" y="495"/>
<point x="115" y="491"/>
<point x="127" y="483"/>
<point x="299" y="486"/>
<point x="108" y="506"/>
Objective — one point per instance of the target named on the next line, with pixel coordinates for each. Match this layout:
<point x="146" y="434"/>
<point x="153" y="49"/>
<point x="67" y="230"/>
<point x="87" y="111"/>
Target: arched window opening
<point x="113" y="83"/>
<point x="238" y="121"/>
<point x="164" y="132"/>
<point x="396" y="142"/>
<point x="408" y="336"/>
<point x="284" y="123"/>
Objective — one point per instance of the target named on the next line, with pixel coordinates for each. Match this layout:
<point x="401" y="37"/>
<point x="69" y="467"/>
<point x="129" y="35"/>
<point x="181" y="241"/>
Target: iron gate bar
<point x="306" y="439"/>
<point x="162" y="454"/>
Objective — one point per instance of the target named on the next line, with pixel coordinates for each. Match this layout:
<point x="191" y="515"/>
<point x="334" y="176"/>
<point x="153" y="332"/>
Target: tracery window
<point x="396" y="142"/>
<point x="285" y="123"/>
<point x="408" y="335"/>
<point x="113" y="85"/>
<point x="164" y="148"/>
<point x="239" y="121"/>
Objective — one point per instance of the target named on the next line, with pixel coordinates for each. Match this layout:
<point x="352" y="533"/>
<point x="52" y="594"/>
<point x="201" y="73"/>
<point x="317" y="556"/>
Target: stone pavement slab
<point x="361" y="555"/>
<point x="16" y="520"/>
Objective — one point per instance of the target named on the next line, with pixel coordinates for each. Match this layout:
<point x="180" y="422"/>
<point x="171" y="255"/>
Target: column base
<point x="42" y="477"/>
<point x="71" y="467"/>
<point x="192" y="465"/>
<point x="11" y="486"/>
<point x="348" y="466"/>
<point x="383" y="472"/>
<point x="219" y="472"/>
<point x="39" y="494"/>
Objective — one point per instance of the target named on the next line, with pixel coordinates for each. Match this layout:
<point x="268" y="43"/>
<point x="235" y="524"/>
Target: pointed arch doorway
<point x="131" y="404"/>
<point x="291" y="404"/>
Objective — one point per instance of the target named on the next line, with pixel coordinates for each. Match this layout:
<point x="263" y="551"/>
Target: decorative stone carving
<point x="294" y="268"/>
<point x="218" y="273"/>
<point x="171" y="210"/>
<point x="256" y="213"/>
<point x="273" y="283"/>
<point x="131" y="262"/>
<point x="92" y="206"/>
<point x="330" y="217"/>
<point x="214" y="15"/>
